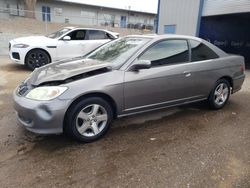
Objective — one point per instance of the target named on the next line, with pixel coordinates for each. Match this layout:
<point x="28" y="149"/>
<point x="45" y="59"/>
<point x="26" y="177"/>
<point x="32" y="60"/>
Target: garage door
<point x="229" y="32"/>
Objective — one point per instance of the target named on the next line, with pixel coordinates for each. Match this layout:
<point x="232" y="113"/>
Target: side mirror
<point x="140" y="64"/>
<point x="66" y="38"/>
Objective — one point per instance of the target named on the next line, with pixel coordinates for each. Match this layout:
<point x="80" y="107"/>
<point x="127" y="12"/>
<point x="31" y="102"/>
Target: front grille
<point x="22" y="89"/>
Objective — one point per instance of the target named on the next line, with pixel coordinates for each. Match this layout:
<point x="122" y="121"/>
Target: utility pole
<point x="17" y="7"/>
<point x="129" y="7"/>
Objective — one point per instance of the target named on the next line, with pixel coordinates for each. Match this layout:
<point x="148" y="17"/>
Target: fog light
<point x="25" y="120"/>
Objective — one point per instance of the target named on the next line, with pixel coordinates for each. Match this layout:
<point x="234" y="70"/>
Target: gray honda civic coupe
<point x="133" y="74"/>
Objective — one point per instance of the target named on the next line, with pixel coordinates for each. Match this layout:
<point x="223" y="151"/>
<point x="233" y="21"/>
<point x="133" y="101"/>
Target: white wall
<point x="2" y="11"/>
<point x="77" y="14"/>
<point x="87" y="15"/>
<point x="182" y="13"/>
<point x="71" y="12"/>
<point x="8" y="8"/>
<point x="217" y="7"/>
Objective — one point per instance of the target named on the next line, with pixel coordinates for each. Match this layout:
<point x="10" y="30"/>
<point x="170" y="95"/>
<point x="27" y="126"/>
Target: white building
<point x="226" y="23"/>
<point x="178" y="16"/>
<point x="78" y="13"/>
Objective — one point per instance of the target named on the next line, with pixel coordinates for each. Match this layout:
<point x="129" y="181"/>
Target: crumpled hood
<point x="32" y="40"/>
<point x="62" y="70"/>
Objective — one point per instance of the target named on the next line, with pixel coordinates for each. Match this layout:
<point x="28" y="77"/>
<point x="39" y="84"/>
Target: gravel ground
<point x="189" y="146"/>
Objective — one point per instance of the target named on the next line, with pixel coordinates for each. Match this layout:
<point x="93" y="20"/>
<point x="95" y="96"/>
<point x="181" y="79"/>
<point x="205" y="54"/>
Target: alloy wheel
<point x="221" y="94"/>
<point x="37" y="59"/>
<point x="91" y="120"/>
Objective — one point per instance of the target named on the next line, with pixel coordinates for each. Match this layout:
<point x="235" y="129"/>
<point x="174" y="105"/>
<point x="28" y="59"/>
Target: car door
<point x="73" y="47"/>
<point x="94" y="39"/>
<point x="167" y="82"/>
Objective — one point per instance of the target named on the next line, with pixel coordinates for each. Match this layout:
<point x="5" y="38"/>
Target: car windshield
<point x="58" y="33"/>
<point x="118" y="51"/>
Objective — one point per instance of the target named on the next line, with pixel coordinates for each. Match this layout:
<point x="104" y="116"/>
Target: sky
<point x="137" y="5"/>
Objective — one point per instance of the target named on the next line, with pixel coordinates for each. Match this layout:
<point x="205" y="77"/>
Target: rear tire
<point x="219" y="95"/>
<point x="36" y="58"/>
<point x="89" y="119"/>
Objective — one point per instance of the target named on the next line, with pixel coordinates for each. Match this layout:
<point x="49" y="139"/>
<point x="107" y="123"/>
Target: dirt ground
<point x="189" y="146"/>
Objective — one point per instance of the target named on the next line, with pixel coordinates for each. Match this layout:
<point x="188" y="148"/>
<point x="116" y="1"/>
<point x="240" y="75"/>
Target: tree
<point x="30" y="7"/>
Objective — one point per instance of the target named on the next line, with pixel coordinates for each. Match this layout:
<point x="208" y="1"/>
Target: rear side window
<point x="167" y="52"/>
<point x="201" y="52"/>
<point x="97" y="35"/>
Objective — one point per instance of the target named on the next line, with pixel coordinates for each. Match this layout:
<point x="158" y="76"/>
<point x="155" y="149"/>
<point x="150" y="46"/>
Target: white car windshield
<point x="118" y="51"/>
<point x="58" y="33"/>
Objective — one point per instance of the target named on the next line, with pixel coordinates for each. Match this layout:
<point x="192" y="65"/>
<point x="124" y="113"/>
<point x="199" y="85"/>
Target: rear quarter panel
<point x="209" y="71"/>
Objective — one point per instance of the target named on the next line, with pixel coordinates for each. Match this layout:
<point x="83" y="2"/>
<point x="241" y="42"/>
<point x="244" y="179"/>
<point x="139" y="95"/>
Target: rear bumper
<point x="237" y="83"/>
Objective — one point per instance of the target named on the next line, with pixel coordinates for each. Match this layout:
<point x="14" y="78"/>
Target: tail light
<point x="242" y="68"/>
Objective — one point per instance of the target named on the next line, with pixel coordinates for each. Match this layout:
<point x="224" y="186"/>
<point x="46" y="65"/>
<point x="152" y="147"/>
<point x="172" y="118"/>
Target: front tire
<point x="36" y="58"/>
<point x="219" y="95"/>
<point x="89" y="119"/>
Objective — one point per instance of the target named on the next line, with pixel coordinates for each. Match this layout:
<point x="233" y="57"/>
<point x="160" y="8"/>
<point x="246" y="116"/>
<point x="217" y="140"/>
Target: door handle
<point x="187" y="73"/>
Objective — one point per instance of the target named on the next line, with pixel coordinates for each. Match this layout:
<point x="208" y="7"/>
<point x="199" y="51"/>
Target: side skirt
<point x="162" y="107"/>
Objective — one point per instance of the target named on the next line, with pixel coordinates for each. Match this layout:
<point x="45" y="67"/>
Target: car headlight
<point x="46" y="93"/>
<point x="20" y="46"/>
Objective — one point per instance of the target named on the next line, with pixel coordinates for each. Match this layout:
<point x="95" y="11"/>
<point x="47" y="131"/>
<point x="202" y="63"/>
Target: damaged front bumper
<point x="39" y="116"/>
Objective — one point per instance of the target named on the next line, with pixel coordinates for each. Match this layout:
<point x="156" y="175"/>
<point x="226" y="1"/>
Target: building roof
<point x="114" y="8"/>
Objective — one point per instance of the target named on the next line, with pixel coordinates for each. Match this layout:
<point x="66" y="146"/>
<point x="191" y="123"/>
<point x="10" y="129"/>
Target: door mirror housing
<point x="140" y="64"/>
<point x="66" y="38"/>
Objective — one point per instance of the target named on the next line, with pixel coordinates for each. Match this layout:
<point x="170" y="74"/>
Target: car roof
<point x="156" y="37"/>
<point x="166" y="36"/>
<point x="69" y="27"/>
<point x="88" y="28"/>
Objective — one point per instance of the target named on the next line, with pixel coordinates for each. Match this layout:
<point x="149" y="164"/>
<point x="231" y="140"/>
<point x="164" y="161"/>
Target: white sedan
<point x="69" y="42"/>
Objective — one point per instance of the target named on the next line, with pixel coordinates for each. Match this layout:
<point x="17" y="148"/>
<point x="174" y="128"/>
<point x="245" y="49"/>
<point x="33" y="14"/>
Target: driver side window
<point x="167" y="52"/>
<point x="77" y="35"/>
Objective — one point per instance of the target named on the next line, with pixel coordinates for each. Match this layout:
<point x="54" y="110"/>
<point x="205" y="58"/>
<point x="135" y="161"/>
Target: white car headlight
<point x="20" y="46"/>
<point x="46" y="93"/>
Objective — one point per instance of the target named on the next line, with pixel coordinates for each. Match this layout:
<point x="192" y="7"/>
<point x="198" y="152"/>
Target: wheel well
<point x="106" y="97"/>
<point x="229" y="79"/>
<point x="38" y="49"/>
